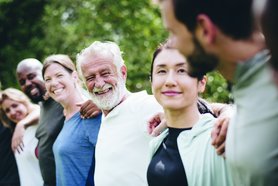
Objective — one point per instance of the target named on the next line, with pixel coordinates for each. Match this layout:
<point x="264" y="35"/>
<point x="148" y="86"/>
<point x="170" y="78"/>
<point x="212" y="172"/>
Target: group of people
<point x="101" y="136"/>
<point x="35" y="152"/>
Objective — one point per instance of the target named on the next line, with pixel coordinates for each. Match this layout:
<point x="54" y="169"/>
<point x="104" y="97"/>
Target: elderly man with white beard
<point x="122" y="150"/>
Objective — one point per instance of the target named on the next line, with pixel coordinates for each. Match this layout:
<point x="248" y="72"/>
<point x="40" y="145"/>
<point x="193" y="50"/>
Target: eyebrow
<point x="179" y="64"/>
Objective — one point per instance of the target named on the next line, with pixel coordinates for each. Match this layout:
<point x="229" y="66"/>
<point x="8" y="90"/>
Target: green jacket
<point x="203" y="167"/>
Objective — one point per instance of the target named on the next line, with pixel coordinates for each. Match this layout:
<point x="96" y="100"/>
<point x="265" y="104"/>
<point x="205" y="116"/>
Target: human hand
<point x="46" y="96"/>
<point x="156" y="124"/>
<point x="17" y="139"/>
<point x="219" y="133"/>
<point x="88" y="109"/>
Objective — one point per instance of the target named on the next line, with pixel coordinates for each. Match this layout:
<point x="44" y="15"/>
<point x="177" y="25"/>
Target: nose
<point x="99" y="83"/>
<point x="170" y="79"/>
<point x="28" y="83"/>
<point x="12" y="112"/>
<point x="52" y="83"/>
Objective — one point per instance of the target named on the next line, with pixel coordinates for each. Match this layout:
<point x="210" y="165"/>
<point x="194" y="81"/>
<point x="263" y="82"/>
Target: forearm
<point x="220" y="108"/>
<point x="31" y="119"/>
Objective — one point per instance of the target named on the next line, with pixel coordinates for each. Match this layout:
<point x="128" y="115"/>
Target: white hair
<point x="98" y="48"/>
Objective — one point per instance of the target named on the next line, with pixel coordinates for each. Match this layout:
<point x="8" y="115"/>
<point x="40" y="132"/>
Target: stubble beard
<point x="200" y="62"/>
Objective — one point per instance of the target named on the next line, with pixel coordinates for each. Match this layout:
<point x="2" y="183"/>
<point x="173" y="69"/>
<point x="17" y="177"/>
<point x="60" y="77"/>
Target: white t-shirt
<point x="27" y="162"/>
<point x="122" y="150"/>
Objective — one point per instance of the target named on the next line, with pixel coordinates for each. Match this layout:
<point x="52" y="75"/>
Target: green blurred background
<point x="38" y="28"/>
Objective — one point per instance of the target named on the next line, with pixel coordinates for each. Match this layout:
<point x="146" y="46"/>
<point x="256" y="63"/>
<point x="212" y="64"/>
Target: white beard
<point x="112" y="99"/>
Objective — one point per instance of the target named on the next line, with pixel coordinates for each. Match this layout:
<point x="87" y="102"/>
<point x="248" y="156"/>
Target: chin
<point x="58" y="99"/>
<point x="171" y="106"/>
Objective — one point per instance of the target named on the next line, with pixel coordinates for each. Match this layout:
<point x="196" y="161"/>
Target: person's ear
<point x="124" y="72"/>
<point x="202" y="84"/>
<point x="206" y="30"/>
<point x="74" y="75"/>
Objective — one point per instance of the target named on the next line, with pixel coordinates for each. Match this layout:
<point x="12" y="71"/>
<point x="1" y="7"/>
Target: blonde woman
<point x="15" y="107"/>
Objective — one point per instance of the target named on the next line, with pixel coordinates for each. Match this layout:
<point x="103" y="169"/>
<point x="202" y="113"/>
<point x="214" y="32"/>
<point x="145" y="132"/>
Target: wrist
<point x="20" y="124"/>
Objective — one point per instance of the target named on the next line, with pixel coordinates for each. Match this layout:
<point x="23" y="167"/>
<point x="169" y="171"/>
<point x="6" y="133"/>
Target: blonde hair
<point x="17" y="96"/>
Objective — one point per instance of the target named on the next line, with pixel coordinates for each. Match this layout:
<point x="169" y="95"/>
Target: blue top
<point x="74" y="150"/>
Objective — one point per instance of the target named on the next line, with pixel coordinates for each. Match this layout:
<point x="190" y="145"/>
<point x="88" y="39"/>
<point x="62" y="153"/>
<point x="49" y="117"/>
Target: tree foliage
<point x="20" y="35"/>
<point x="37" y="28"/>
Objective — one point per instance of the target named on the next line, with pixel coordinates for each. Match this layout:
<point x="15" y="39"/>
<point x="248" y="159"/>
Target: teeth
<point x="102" y="90"/>
<point x="34" y="91"/>
<point x="57" y="91"/>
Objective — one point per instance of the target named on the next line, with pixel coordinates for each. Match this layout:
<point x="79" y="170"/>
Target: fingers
<point x="153" y="123"/>
<point x="88" y="109"/>
<point x="159" y="128"/>
<point x="221" y="149"/>
<point x="17" y="141"/>
<point x="90" y="114"/>
<point x="222" y="134"/>
<point x="18" y="147"/>
<point x="215" y="132"/>
<point x="219" y="134"/>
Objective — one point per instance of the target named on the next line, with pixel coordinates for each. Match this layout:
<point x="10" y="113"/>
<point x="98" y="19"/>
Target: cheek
<point x="112" y="80"/>
<point x="90" y="86"/>
<point x="23" y="88"/>
<point x="156" y="85"/>
<point x="47" y="87"/>
<point x="155" y="89"/>
<point x="23" y="110"/>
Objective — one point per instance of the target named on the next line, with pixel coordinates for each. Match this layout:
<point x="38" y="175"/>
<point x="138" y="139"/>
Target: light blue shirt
<point x="74" y="150"/>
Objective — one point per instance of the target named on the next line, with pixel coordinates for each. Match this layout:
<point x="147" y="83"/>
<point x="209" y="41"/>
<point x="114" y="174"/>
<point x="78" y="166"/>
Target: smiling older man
<point x="122" y="151"/>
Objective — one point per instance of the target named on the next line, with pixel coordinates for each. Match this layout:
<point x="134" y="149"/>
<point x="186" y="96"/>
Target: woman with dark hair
<point x="183" y="154"/>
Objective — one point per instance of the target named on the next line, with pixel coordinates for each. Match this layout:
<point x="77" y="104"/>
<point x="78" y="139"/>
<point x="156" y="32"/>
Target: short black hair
<point x="233" y="17"/>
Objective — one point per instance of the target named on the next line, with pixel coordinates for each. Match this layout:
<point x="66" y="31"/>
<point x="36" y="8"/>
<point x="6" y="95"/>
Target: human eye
<point x="31" y="76"/>
<point x="105" y="73"/>
<point x="14" y="105"/>
<point x="22" y="82"/>
<point x="47" y="80"/>
<point x="161" y="71"/>
<point x="182" y="71"/>
<point x="90" y="78"/>
<point x="60" y="75"/>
